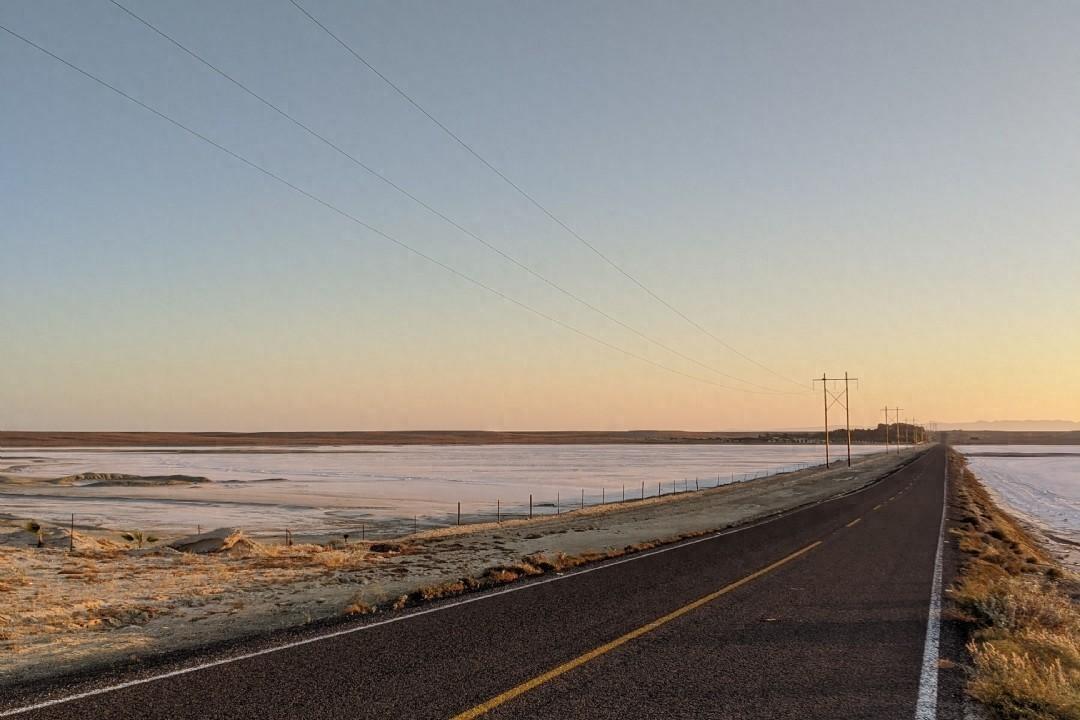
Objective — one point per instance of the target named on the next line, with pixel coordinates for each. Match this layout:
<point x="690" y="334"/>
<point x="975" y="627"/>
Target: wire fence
<point x="396" y="524"/>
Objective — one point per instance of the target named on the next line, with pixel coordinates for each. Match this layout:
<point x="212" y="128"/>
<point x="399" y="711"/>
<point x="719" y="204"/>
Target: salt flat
<point x="337" y="488"/>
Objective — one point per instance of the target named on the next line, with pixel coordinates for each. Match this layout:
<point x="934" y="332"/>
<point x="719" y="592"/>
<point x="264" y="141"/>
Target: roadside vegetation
<point x="1022" y="612"/>
<point x="529" y="566"/>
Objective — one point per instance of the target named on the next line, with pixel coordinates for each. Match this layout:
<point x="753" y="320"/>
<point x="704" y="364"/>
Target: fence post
<point x="603" y="496"/>
<point x="198" y="529"/>
<point x="696" y="486"/>
<point x="558" y="503"/>
<point x="71" y="534"/>
<point x="582" y="498"/>
<point x="624" y="492"/>
<point x="498" y="511"/>
<point x="459" y="512"/>
<point x="530" y="506"/>
<point x="642" y="489"/>
<point x="658" y="490"/>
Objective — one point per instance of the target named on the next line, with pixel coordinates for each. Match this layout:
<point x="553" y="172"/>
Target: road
<point x="821" y="613"/>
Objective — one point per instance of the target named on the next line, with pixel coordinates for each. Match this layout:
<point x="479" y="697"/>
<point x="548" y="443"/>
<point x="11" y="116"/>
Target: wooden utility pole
<point x="847" y="418"/>
<point x="825" y="394"/>
<point x="886" y="411"/>
<point x="896" y="418"/>
<point x="830" y="399"/>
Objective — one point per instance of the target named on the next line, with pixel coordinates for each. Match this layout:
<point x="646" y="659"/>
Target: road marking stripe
<point x="926" y="706"/>
<point x="566" y="667"/>
<point x="878" y="507"/>
<point x="854" y="522"/>
<point x="437" y="608"/>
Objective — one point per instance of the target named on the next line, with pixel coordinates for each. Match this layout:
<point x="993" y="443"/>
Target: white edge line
<point x="926" y="706"/>
<point x="452" y="604"/>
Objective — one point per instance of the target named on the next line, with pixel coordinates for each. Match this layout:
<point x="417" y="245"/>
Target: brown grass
<point x="529" y="566"/>
<point x="11" y="577"/>
<point x="1022" y="612"/>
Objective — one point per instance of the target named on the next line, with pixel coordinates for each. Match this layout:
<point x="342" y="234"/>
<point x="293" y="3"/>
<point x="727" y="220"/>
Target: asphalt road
<point x="821" y="613"/>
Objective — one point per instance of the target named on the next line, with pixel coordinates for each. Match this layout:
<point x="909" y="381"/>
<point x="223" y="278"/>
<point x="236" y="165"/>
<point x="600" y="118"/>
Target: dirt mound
<point x="121" y="479"/>
<point x="230" y="540"/>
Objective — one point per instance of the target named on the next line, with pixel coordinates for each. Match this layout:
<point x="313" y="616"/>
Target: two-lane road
<point x="820" y="613"/>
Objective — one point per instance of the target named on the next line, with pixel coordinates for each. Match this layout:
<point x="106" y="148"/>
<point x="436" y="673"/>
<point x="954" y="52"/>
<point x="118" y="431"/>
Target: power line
<point x="536" y="202"/>
<point x="311" y="196"/>
<point x="453" y="223"/>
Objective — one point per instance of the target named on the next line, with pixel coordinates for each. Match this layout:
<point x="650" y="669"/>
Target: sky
<point x="884" y="189"/>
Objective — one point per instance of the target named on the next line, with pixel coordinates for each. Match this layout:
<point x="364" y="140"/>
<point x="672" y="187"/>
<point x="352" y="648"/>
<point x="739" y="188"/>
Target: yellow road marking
<point x="566" y="667"/>
<point x="854" y="522"/>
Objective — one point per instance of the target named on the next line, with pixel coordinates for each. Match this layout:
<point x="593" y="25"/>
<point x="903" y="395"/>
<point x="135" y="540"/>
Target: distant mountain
<point x="1014" y="425"/>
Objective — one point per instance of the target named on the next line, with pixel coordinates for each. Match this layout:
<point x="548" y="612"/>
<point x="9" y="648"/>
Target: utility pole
<point x="896" y="419"/>
<point x="825" y="394"/>
<point x="830" y="398"/>
<point x="847" y="418"/>
<point x="886" y="411"/>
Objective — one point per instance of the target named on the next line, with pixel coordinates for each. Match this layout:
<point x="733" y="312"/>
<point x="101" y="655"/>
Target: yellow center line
<point x="854" y="522"/>
<point x="566" y="667"/>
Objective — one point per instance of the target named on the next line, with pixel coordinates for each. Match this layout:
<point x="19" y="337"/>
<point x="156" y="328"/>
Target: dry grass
<point x="529" y="566"/>
<point x="359" y="608"/>
<point x="1022" y="611"/>
<point x="11" y="576"/>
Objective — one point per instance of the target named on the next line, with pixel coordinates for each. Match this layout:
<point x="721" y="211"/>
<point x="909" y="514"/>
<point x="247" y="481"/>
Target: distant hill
<point x="26" y="439"/>
<point x="1015" y="425"/>
<point x="17" y="438"/>
<point x="1009" y="437"/>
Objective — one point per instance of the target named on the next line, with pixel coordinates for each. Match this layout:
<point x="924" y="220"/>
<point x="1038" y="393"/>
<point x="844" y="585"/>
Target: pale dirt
<point x="106" y="602"/>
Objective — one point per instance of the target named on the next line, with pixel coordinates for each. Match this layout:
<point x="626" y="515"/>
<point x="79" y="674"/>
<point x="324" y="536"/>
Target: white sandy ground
<point x="1040" y="487"/>
<point x="310" y="489"/>
<point x="63" y="611"/>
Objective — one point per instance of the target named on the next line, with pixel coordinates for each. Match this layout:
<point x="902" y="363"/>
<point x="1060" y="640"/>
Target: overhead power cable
<point x="453" y="223"/>
<point x="371" y="228"/>
<point x="540" y="206"/>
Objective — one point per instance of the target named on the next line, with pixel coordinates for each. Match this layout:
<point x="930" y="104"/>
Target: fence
<point x="396" y="525"/>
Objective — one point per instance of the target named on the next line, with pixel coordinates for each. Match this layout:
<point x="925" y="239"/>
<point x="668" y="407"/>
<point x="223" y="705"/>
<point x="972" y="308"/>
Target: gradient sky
<point x="891" y="189"/>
